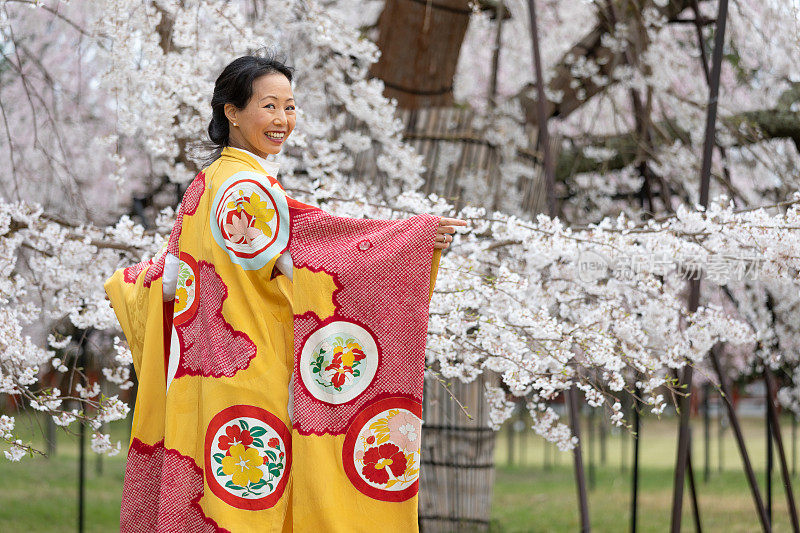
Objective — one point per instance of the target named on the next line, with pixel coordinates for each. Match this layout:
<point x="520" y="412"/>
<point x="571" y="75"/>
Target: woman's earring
<point x="235" y="123"/>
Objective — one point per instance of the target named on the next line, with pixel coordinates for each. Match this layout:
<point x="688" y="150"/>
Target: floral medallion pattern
<point x="185" y="301"/>
<point x="248" y="457"/>
<point x="381" y="453"/>
<point x="338" y="362"/>
<point x="250" y="219"/>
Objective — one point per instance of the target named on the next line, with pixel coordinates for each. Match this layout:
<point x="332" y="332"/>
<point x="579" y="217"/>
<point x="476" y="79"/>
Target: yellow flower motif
<point x="384" y="462"/>
<point x="350" y="353"/>
<point x="260" y="212"/>
<point x="181" y="299"/>
<point x="243" y="464"/>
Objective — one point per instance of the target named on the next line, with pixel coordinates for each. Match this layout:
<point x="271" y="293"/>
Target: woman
<point x="256" y="291"/>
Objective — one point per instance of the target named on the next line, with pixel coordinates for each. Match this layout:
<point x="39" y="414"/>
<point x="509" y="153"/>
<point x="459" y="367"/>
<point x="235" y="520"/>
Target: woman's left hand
<point x="444" y="233"/>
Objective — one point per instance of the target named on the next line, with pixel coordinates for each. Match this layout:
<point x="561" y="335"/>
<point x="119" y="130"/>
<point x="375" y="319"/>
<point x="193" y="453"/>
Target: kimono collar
<point x="270" y="167"/>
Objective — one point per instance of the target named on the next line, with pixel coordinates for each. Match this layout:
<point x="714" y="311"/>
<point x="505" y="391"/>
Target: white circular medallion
<point x="185" y="300"/>
<point x="381" y="450"/>
<point x="338" y="362"/>
<point x="250" y="219"/>
<point x="247" y="457"/>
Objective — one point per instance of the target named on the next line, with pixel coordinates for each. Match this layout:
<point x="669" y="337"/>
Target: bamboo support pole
<point x="776" y="430"/>
<point x="694" y="294"/>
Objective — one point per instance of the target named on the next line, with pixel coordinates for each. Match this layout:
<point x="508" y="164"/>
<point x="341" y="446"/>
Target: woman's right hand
<point x="444" y="233"/>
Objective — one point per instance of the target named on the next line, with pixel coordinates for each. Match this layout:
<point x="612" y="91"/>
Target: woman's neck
<point x="270" y="167"/>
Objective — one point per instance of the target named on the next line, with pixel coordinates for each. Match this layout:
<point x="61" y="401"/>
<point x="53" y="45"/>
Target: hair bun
<point x="218" y="129"/>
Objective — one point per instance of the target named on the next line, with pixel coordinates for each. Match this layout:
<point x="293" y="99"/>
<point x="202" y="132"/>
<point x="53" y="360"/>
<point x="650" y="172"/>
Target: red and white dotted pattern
<point x="385" y="287"/>
<point x="131" y="273"/>
<point x="162" y="491"/>
<point x="209" y="346"/>
<point x="191" y="199"/>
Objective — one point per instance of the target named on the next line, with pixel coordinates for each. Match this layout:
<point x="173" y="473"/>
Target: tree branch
<point x="758" y="125"/>
<point x="591" y="48"/>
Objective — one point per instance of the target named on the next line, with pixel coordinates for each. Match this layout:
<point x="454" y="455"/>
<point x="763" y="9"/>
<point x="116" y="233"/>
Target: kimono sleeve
<point x="437" y="254"/>
<point x="129" y="298"/>
<point x="139" y="307"/>
<point x="249" y="219"/>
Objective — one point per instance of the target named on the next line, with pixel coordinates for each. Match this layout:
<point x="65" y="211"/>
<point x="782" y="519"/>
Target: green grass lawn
<point x="532" y="500"/>
<point x="39" y="494"/>
<point x="535" y="493"/>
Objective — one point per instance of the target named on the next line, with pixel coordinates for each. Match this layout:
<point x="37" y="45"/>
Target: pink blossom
<point x="239" y="230"/>
<point x="404" y="431"/>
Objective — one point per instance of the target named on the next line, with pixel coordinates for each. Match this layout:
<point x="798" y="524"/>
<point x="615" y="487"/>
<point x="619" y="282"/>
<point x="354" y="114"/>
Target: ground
<point x="536" y="493"/>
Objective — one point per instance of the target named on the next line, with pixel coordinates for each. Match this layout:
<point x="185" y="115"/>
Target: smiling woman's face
<point x="264" y="124"/>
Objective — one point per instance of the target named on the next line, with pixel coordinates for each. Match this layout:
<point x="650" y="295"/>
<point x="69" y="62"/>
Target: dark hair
<point x="235" y="85"/>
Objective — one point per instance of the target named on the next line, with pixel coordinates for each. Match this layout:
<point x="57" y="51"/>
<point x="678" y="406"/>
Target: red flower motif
<point x="346" y="356"/>
<point x="280" y="456"/>
<point x="233" y="436"/>
<point x="379" y="459"/>
<point x="371" y="439"/>
<point x="273" y="442"/>
<point x="336" y="362"/>
<point x="343" y="360"/>
<point x="338" y="378"/>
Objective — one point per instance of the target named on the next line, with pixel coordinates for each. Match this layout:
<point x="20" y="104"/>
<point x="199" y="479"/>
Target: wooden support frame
<point x="694" y="289"/>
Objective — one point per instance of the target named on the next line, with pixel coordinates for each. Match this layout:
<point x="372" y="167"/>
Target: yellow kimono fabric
<point x="222" y="440"/>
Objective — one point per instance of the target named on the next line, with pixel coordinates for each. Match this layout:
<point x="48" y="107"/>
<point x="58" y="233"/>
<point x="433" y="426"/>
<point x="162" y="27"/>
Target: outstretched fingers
<point x="445" y="230"/>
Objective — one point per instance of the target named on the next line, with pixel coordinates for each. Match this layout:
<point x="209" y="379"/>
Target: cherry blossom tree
<point x="103" y="104"/>
<point x="628" y="101"/>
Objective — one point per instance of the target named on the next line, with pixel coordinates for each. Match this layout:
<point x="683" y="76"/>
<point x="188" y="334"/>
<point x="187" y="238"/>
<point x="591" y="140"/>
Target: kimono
<point x="266" y="403"/>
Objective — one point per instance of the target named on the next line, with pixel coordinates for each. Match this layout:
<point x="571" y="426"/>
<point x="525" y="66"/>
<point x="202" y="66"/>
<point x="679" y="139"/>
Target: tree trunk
<point x="420" y="41"/>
